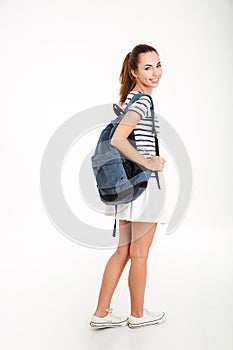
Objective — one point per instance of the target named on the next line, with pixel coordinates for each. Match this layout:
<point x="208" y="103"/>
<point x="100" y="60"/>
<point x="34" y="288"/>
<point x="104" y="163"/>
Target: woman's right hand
<point x="156" y="163"/>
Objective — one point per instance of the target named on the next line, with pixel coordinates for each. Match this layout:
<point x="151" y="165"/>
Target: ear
<point x="133" y="72"/>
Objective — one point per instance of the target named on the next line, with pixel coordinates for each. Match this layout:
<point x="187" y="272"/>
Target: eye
<point x="148" y="68"/>
<point x="159" y="65"/>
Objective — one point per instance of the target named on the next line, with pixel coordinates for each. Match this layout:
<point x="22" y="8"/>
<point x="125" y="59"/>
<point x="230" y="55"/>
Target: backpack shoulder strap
<point x="135" y="98"/>
<point x="120" y="112"/>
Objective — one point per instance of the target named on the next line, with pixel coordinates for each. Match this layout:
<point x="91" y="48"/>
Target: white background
<point x="59" y="58"/>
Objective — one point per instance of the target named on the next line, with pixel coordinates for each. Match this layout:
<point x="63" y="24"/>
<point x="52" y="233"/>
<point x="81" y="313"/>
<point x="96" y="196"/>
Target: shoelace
<point x="109" y="311"/>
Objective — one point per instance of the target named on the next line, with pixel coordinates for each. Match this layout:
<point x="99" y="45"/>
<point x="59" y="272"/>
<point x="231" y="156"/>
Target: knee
<point x="123" y="253"/>
<point x="139" y="254"/>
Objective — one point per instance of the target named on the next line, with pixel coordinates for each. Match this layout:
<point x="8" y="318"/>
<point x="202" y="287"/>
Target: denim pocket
<point x="110" y="174"/>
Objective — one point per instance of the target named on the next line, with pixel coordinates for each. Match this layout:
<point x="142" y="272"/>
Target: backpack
<point x="120" y="180"/>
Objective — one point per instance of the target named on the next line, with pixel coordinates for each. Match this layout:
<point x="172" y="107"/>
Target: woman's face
<point x="149" y="71"/>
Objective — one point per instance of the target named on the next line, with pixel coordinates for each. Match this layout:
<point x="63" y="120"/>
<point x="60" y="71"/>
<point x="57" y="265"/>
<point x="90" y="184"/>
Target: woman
<point x="141" y="72"/>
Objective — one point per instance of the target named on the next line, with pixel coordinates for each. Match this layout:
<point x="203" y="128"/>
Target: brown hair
<point x="131" y="61"/>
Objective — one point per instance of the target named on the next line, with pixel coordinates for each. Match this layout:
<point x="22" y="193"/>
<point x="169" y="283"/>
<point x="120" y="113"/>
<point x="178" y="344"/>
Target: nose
<point x="156" y="72"/>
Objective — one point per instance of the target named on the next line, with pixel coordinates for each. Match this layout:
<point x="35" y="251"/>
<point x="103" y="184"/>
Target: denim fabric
<point x="113" y="183"/>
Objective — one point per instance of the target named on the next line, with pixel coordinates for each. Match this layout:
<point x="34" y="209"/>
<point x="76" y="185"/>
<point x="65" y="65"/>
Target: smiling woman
<point x="141" y="72"/>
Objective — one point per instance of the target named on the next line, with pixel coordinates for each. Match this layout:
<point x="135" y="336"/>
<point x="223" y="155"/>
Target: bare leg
<point x="139" y="250"/>
<point x="114" y="269"/>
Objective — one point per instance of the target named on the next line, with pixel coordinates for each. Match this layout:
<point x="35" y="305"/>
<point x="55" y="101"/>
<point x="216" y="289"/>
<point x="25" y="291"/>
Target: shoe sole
<point x="108" y="325"/>
<point x="149" y="323"/>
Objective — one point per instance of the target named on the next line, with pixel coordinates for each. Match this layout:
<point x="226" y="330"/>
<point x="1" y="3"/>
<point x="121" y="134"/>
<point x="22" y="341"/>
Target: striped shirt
<point x="145" y="141"/>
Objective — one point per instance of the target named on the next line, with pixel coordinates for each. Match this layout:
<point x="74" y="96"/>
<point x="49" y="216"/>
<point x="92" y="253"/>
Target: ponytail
<point x="127" y="80"/>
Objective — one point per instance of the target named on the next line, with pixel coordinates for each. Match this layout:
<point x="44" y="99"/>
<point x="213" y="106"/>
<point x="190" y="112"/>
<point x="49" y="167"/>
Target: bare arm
<point x="119" y="140"/>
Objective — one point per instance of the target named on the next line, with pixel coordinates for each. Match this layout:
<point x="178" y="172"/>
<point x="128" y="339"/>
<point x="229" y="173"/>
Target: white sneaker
<point x="148" y="318"/>
<point x="108" y="321"/>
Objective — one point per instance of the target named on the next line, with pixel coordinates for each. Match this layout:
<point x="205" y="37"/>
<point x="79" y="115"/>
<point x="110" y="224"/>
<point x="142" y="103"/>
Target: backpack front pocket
<point x="110" y="174"/>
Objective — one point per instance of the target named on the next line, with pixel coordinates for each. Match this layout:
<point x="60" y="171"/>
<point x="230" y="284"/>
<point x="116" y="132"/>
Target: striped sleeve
<point x="145" y="141"/>
<point x="142" y="106"/>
